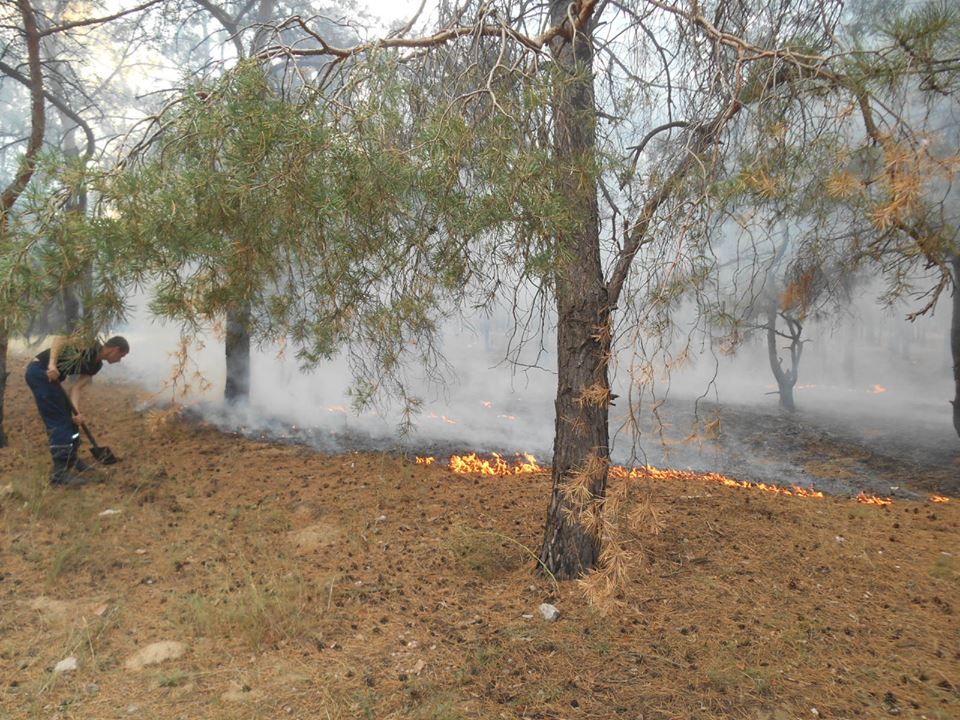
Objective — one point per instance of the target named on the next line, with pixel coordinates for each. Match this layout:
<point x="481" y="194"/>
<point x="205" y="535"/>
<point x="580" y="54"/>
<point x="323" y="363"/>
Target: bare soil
<point x="362" y="585"/>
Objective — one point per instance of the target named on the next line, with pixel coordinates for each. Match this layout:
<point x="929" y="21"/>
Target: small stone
<point x="109" y="511"/>
<point x="133" y="709"/>
<point x="92" y="689"/>
<point x="549" y="612"/>
<point x="418" y="668"/>
<point x="68" y="664"/>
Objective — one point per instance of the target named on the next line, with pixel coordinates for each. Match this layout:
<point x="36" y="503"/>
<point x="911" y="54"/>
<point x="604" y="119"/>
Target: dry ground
<point x="365" y="586"/>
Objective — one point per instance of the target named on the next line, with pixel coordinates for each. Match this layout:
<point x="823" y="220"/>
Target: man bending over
<point x="45" y="373"/>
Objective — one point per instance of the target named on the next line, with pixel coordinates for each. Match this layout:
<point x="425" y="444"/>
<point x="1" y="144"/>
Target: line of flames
<point x="526" y="464"/>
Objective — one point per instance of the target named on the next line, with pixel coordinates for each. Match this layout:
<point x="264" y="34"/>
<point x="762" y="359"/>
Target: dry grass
<point x="364" y="586"/>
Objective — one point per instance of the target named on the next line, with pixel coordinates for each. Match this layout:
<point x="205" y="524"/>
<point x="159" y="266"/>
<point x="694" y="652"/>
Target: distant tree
<point x="244" y="27"/>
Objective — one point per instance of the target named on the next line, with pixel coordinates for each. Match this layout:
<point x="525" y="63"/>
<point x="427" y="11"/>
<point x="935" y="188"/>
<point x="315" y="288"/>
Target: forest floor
<point x="288" y="583"/>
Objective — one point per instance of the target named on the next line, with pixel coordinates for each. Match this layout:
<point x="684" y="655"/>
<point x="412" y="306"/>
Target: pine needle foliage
<point x="356" y="230"/>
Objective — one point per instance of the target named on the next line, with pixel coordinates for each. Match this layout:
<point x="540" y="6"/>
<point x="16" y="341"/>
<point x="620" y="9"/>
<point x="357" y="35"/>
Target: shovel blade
<point x="104" y="455"/>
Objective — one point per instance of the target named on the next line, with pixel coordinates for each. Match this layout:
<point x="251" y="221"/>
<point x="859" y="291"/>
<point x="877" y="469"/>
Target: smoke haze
<point x="871" y="378"/>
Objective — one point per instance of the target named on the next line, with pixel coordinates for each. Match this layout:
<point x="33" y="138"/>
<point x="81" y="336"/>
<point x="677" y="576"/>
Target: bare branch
<point x="566" y="29"/>
<point x="98" y="21"/>
<point x="57" y="102"/>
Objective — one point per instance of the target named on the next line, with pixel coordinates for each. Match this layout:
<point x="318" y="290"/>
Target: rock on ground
<point x="549" y="612"/>
<point x="66" y="665"/>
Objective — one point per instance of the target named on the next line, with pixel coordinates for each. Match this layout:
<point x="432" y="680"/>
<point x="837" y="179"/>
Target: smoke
<point x="487" y="405"/>
<point x="868" y="376"/>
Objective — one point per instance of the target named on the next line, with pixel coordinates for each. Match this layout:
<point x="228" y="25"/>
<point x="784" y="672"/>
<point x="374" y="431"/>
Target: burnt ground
<point x="838" y="454"/>
<point x="361" y="585"/>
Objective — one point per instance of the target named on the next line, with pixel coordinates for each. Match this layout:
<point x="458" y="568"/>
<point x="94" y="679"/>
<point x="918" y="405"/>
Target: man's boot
<point x="76" y="463"/>
<point x="61" y="475"/>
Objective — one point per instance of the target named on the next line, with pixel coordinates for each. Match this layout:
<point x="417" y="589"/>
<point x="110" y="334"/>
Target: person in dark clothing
<point x="45" y="375"/>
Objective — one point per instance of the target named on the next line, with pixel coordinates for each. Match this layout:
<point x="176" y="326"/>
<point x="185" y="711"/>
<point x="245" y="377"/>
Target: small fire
<point x="939" y="499"/>
<point x="647" y="471"/>
<point x="487" y="404"/>
<point x="872" y="499"/>
<point x="337" y="409"/>
<point x="525" y="464"/>
<point x="445" y="419"/>
<point x="507" y="417"/>
<point x="877" y="389"/>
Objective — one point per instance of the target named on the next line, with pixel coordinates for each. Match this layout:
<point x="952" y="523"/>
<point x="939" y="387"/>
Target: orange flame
<point x="526" y="464"/>
<point x="447" y="420"/>
<point x="486" y="403"/>
<point x="939" y="499"/>
<point x="647" y="471"/>
<point x="872" y="499"/>
<point x="877" y="389"/>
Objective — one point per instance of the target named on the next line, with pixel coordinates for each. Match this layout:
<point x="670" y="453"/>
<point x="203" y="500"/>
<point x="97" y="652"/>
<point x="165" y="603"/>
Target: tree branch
<point x="37" y="115"/>
<point x="56" y="102"/>
<point x="566" y="29"/>
<point x="99" y="20"/>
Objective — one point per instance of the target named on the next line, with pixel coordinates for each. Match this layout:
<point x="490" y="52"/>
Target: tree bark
<point x="237" y="387"/>
<point x="581" y="444"/>
<point x="785" y="379"/>
<point x="955" y="339"/>
<point x="19" y="183"/>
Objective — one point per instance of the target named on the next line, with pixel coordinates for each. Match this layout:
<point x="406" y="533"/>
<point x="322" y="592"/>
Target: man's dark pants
<point x="54" y="409"/>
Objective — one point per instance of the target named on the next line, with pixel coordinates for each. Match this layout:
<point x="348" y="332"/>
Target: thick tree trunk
<point x="237" y="387"/>
<point x="581" y="444"/>
<point x="785" y="390"/>
<point x="955" y="340"/>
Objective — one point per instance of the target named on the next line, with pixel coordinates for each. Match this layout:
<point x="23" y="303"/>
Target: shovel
<point x="102" y="455"/>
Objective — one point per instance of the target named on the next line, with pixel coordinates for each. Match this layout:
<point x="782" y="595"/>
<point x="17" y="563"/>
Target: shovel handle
<point x="83" y="426"/>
